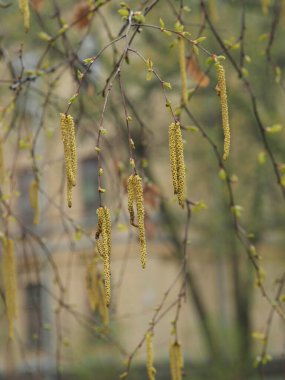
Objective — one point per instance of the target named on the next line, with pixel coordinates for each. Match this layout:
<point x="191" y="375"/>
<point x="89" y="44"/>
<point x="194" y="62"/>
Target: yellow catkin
<point x="96" y="292"/>
<point x="131" y="198"/>
<point x="213" y="10"/>
<point x="25" y="10"/>
<point x="135" y="195"/>
<point x="265" y="4"/>
<point x="92" y="284"/>
<point x="2" y="171"/>
<point x="149" y="354"/>
<point x="172" y="153"/>
<point x="176" y="361"/>
<point x="34" y="200"/>
<point x="69" y="144"/>
<point x="222" y="90"/>
<point x="103" y="309"/>
<point x="183" y="74"/>
<point x="104" y="231"/>
<point x="177" y="163"/>
<point x="10" y="283"/>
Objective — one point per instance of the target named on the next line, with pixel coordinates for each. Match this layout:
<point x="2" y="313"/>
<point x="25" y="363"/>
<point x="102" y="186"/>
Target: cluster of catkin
<point x="149" y="354"/>
<point x="183" y="74"/>
<point x="103" y="237"/>
<point x="177" y="163"/>
<point x="25" y="10"/>
<point x="34" y="200"/>
<point x="222" y="91"/>
<point x="10" y="282"/>
<point x="176" y="361"/>
<point x="135" y="196"/>
<point x="69" y="144"/>
<point x="96" y="291"/>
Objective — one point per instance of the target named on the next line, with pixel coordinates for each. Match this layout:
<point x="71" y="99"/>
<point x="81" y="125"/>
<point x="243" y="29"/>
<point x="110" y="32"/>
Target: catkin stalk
<point x="176" y="361"/>
<point x="149" y="351"/>
<point x="69" y="144"/>
<point x="10" y="283"/>
<point x="176" y="153"/>
<point x="104" y="231"/>
<point x="135" y="195"/>
<point x="224" y="108"/>
<point x="183" y="74"/>
<point x="25" y="10"/>
<point x="34" y="200"/>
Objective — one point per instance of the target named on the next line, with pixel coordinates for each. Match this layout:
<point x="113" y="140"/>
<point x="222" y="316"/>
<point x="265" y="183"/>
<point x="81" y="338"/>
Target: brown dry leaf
<point x="196" y="73"/>
<point x="81" y="15"/>
<point x="37" y="4"/>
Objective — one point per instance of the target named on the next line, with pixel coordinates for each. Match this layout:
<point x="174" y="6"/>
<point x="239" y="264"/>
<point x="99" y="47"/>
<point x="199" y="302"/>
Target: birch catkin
<point x="96" y="291"/>
<point x="104" y="231"/>
<point x="10" y="283"/>
<point x="176" y="361"/>
<point x="25" y="10"/>
<point x="183" y="74"/>
<point x="222" y="91"/>
<point x="34" y="200"/>
<point x="69" y="144"/>
<point x="2" y="172"/>
<point x="176" y="152"/>
<point x="135" y="195"/>
<point x="92" y="284"/>
<point x="149" y="352"/>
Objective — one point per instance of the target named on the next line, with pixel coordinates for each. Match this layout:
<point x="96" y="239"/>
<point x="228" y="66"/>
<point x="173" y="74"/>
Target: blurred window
<point x="34" y="315"/>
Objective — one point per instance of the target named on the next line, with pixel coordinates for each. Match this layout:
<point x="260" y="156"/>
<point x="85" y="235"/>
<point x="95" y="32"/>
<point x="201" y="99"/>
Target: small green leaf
<point x="200" y="39"/>
<point x="123" y="12"/>
<point x="195" y="49"/>
<point x="148" y="75"/>
<point x="73" y="98"/>
<point x="199" y="206"/>
<point x="258" y="335"/>
<point x="222" y="174"/>
<point x="237" y="210"/>
<point x="191" y="128"/>
<point x="261" y="158"/>
<point x="167" y="85"/>
<point x="275" y="128"/>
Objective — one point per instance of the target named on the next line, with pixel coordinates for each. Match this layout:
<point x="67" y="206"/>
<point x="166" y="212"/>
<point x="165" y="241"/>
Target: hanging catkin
<point x="135" y="195"/>
<point x="177" y="163"/>
<point x="176" y="361"/>
<point x="69" y="144"/>
<point x="1" y="161"/>
<point x="25" y="10"/>
<point x="104" y="232"/>
<point x="183" y="74"/>
<point x="92" y="284"/>
<point x="34" y="200"/>
<point x="149" y="352"/>
<point x="96" y="292"/>
<point x="265" y="4"/>
<point x="10" y="283"/>
<point x="103" y="309"/>
<point x="222" y="91"/>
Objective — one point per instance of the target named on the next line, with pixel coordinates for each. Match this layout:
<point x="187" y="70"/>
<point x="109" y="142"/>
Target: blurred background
<point x="215" y="270"/>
